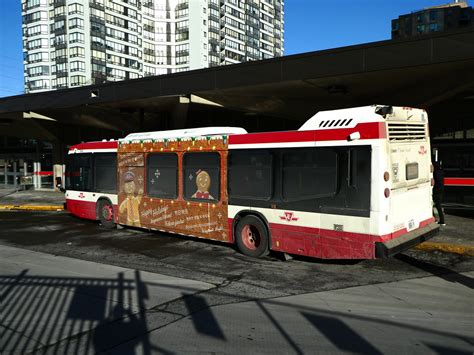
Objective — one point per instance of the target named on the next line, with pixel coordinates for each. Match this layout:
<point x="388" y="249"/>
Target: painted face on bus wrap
<point x="203" y="182"/>
<point x="129" y="187"/>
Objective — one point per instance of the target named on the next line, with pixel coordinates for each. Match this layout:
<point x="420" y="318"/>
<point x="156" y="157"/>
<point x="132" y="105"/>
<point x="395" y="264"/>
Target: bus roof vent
<point x="404" y="131"/>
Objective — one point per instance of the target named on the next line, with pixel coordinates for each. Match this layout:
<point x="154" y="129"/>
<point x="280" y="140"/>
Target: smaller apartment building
<point x="452" y="16"/>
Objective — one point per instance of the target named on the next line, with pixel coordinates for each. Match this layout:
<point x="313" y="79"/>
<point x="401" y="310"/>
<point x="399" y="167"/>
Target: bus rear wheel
<point x="251" y="236"/>
<point x="105" y="212"/>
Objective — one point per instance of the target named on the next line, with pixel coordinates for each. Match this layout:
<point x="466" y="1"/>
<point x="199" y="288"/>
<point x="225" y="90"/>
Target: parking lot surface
<point x="230" y="303"/>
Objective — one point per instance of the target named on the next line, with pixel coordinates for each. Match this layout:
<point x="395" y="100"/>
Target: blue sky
<point x="310" y="25"/>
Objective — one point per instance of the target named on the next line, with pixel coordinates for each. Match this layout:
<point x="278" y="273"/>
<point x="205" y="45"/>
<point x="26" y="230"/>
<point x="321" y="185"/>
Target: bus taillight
<point x="432" y="182"/>
<point x="386" y="192"/>
<point x="386" y="176"/>
<point x="431" y="168"/>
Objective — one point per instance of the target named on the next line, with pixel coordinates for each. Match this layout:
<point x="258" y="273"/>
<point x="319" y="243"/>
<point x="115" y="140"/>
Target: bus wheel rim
<point x="250" y="237"/>
<point x="107" y="212"/>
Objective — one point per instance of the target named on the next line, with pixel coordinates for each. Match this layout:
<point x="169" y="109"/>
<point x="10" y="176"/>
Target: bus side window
<point x="162" y="175"/>
<point x="352" y="168"/>
<point x="105" y="172"/>
<point x="201" y="176"/>
<point x="309" y="173"/>
<point x="250" y="174"/>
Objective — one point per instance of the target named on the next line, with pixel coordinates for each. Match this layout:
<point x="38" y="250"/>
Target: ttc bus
<point x="349" y="184"/>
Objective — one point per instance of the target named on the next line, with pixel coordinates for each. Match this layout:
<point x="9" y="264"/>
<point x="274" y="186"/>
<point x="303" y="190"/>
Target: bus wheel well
<point x="105" y="212"/>
<point x="257" y="214"/>
<point x="97" y="204"/>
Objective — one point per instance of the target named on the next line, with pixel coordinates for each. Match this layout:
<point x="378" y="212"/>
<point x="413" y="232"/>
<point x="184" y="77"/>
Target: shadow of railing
<point x="79" y="315"/>
<point x="44" y="312"/>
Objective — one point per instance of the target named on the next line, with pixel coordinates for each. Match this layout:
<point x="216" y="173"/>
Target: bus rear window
<point x="412" y="171"/>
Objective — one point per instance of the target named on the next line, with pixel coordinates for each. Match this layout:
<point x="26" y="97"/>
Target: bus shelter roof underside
<point x="434" y="72"/>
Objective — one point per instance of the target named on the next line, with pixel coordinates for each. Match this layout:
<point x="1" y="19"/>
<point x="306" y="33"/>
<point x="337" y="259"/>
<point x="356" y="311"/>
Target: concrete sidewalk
<point x="456" y="237"/>
<point x="47" y="299"/>
<point x="54" y="304"/>
<point x="31" y="200"/>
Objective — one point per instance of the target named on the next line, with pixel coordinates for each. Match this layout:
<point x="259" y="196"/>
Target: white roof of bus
<point x="185" y="133"/>
<point x="362" y="114"/>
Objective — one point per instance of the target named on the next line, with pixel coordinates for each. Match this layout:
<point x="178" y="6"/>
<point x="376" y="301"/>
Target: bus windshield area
<point x="92" y="172"/>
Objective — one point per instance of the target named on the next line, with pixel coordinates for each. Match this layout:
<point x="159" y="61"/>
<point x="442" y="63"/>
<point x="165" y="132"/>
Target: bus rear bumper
<point x="406" y="241"/>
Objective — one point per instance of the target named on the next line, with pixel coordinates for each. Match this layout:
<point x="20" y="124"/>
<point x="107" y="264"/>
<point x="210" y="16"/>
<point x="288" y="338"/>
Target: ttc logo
<point x="81" y="195"/>
<point x="422" y="150"/>
<point x="289" y="217"/>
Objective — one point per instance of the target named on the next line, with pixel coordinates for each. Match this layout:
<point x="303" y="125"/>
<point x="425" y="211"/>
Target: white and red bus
<point x="349" y="184"/>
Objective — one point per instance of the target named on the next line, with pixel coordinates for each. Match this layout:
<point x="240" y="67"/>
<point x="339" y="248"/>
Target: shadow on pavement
<point x="81" y="315"/>
<point x="436" y="270"/>
<point x="42" y="313"/>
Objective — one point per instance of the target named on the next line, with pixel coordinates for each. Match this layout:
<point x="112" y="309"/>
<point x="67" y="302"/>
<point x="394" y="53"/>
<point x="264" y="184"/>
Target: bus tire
<point x="105" y="213"/>
<point x="251" y="236"/>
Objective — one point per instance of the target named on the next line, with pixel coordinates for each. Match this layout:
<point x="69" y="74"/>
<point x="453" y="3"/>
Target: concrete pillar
<point x="179" y="114"/>
<point x="58" y="173"/>
<point x="39" y="174"/>
<point x="15" y="173"/>
<point x="36" y="174"/>
<point x="5" y="172"/>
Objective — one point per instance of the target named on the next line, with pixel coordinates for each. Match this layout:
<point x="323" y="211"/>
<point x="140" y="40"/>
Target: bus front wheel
<point x="105" y="211"/>
<point x="251" y="236"/>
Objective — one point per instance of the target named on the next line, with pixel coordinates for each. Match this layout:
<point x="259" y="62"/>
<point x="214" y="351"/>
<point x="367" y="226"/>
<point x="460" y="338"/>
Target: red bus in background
<point x="349" y="184"/>
<point x="457" y="159"/>
<point x="91" y="181"/>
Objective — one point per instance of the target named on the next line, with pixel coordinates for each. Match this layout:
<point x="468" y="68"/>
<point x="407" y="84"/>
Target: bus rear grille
<point x="406" y="131"/>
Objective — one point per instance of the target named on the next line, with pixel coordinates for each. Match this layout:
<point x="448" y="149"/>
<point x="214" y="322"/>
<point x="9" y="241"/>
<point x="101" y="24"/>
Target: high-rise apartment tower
<point x="70" y="43"/>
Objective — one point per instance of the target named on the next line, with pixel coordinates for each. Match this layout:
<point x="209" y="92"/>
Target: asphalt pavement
<point x="456" y="237"/>
<point x="70" y="286"/>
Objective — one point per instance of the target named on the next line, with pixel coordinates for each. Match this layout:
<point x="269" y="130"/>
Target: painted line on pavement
<point x="32" y="207"/>
<point x="446" y="247"/>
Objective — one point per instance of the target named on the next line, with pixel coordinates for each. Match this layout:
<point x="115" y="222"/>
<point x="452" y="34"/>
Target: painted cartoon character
<point x="203" y="182"/>
<point x="131" y="204"/>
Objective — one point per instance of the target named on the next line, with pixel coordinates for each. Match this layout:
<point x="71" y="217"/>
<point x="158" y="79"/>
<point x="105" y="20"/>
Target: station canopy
<point x="434" y="72"/>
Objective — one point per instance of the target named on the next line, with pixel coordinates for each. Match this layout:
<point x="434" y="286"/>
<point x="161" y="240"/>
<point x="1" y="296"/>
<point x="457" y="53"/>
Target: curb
<point x="32" y="207"/>
<point x="447" y="247"/>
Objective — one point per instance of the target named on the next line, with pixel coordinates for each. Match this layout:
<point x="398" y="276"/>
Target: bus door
<point x="131" y="177"/>
<point x="346" y="213"/>
<point x="204" y="194"/>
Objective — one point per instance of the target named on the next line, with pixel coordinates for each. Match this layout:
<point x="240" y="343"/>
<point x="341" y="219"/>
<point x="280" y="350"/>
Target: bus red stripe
<point x="459" y="181"/>
<point x="95" y="145"/>
<point x="333" y="233"/>
<point x="43" y="173"/>
<point x="371" y="130"/>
